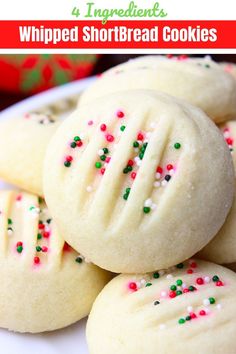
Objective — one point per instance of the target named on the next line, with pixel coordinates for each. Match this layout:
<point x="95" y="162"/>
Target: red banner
<point x="117" y="34"/>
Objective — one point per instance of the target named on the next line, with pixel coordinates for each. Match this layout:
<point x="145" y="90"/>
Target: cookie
<point x="190" y="308"/>
<point x="222" y="249"/>
<point x="23" y="143"/>
<point x="141" y="181"/>
<point x="45" y="284"/>
<point x="199" y="81"/>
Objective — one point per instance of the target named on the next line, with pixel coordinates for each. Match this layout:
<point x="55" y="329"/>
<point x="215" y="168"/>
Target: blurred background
<point x="24" y="75"/>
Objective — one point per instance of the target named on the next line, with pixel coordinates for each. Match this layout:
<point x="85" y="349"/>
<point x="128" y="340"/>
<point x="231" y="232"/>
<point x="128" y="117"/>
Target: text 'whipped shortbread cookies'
<point x="200" y="81"/>
<point x="138" y="181"/>
<point x="23" y="143"/>
<point x="45" y="284"/>
<point x="188" y="309"/>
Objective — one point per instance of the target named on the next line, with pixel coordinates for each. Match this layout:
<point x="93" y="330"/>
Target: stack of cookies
<point x="138" y="180"/>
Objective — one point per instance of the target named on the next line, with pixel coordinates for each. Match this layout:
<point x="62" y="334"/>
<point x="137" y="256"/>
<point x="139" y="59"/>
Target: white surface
<point x="70" y="340"/>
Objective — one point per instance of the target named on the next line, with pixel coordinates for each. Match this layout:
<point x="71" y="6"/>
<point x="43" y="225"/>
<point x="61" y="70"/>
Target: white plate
<point x="70" y="340"/>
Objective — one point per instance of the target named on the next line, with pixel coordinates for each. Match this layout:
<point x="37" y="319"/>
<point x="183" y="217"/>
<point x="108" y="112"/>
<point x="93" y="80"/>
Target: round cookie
<point x="45" y="284"/>
<point x="139" y="182"/>
<point x="200" y="81"/>
<point x="191" y="309"/>
<point x="23" y="143"/>
<point x="222" y="249"/>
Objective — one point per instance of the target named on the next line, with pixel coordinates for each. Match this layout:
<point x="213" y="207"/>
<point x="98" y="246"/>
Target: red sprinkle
<point x="159" y="169"/>
<point x="79" y="143"/>
<point x="185" y="290"/>
<point x="169" y="167"/>
<point x="41" y="226"/>
<point x="103" y="127"/>
<point x="102" y="170"/>
<point x="36" y="260"/>
<point x="108" y="159"/>
<point x="140" y="136"/>
<point x="169" y="56"/>
<point x="172" y="294"/>
<point x="133" y="286"/>
<point x="190" y="271"/>
<point x="133" y="175"/>
<point x="193" y="315"/>
<point x="19" y="198"/>
<point x="46" y="234"/>
<point x="44" y="249"/>
<point x="110" y="138"/>
<point x="130" y="163"/>
<point x="200" y="281"/>
<point x="120" y="114"/>
<point x="69" y="158"/>
<point x="19" y="244"/>
<point x="219" y="283"/>
<point x="229" y="141"/>
<point x="182" y="57"/>
<point x="193" y="265"/>
<point x="202" y="313"/>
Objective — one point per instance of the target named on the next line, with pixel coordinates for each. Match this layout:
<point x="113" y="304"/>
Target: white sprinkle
<point x="190" y="309"/>
<point x="207" y="279"/>
<point x="158" y="175"/>
<point x="184" y="286"/>
<point x="139" y="163"/>
<point x="162" y="326"/>
<point x="87" y="260"/>
<point x="219" y="306"/>
<point x="163" y="294"/>
<point x="164" y="183"/>
<point x="136" y="159"/>
<point x="226" y="134"/>
<point x="138" y="283"/>
<point x="100" y="152"/>
<point x="143" y="282"/>
<point x="140" y="142"/>
<point x="81" y="136"/>
<point x="153" y="206"/>
<point x="89" y="189"/>
<point x="206" y="302"/>
<point x="148" y="202"/>
<point x="207" y="310"/>
<point x="171" y="172"/>
<point x="10" y="232"/>
<point x="157" y="184"/>
<point x="169" y="276"/>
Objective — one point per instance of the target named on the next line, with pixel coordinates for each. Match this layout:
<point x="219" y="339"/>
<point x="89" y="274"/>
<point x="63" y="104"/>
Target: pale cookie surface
<point x="199" y="81"/>
<point x="138" y="181"/>
<point x="189" y="309"/>
<point x="23" y="143"/>
<point x="230" y="68"/>
<point x="45" y="284"/>
<point x="222" y="249"/>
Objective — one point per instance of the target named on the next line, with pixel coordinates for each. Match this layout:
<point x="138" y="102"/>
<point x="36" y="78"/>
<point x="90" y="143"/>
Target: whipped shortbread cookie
<point x="222" y="249"/>
<point x="138" y="181"/>
<point x="200" y="81"/>
<point x="23" y="143"/>
<point x="190" y="309"/>
<point x="45" y="284"/>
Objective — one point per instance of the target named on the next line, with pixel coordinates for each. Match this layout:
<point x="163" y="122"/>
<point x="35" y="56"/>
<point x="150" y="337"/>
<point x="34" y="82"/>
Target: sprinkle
<point x="9" y="221"/>
<point x="156" y="302"/>
<point x="140" y="136"/>
<point x="206" y="302"/>
<point x="44" y="248"/>
<point x="164" y="183"/>
<point x="9" y="231"/>
<point x="219" y="306"/>
<point x="190" y="309"/>
<point x="90" y="122"/>
<point x="133" y="175"/>
<point x="132" y="286"/>
<point x="120" y="114"/>
<point x="169" y="276"/>
<point x="73" y="145"/>
<point x="202" y="313"/>
<point x="156" y="184"/>
<point x="169" y="167"/>
<point x="181" y="321"/>
<point x="39" y="236"/>
<point x="103" y="127"/>
<point x="163" y="293"/>
<point x="167" y="178"/>
<point x="110" y="138"/>
<point x="156" y="275"/>
<point x="105" y="150"/>
<point x="215" y="278"/>
<point x="207" y="279"/>
<point x="172" y="294"/>
<point x="173" y="287"/>
<point x="122" y="128"/>
<point x="193" y="265"/>
<point x="148" y="203"/>
<point x="180" y="265"/>
<point x="148" y="284"/>
<point x="200" y="281"/>
<point x="36" y="260"/>
<point x="219" y="283"/>
<point x="46" y="234"/>
<point x="79" y="259"/>
<point x="177" y="146"/>
<point x="77" y="138"/>
<point x="212" y="300"/>
<point x="98" y="164"/>
<point x="179" y="282"/>
<point x="146" y="210"/>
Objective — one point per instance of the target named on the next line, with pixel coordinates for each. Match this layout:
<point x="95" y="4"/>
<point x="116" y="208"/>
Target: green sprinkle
<point x="67" y="164"/>
<point x="212" y="300"/>
<point x="180" y="266"/>
<point x="179" y="282"/>
<point x="215" y="278"/>
<point x="181" y="320"/>
<point x="125" y="196"/>
<point x="146" y="210"/>
<point x="103" y="157"/>
<point x="148" y="284"/>
<point x="122" y="128"/>
<point x="130" y="168"/>
<point x="207" y="66"/>
<point x="141" y="155"/>
<point x="31" y="208"/>
<point x="126" y="170"/>
<point x="177" y="146"/>
<point x="40" y="199"/>
<point x="49" y="221"/>
<point x="98" y="164"/>
<point x="179" y="292"/>
<point x="105" y="150"/>
<point x="79" y="260"/>
<point x="19" y="249"/>
<point x="73" y="145"/>
<point x="38" y="248"/>
<point x="173" y="287"/>
<point x="77" y="138"/>
<point x="135" y="144"/>
<point x="156" y="302"/>
<point x="156" y="275"/>
<point x="39" y="236"/>
<point x="128" y="190"/>
<point x="191" y="288"/>
<point x="9" y="221"/>
<point x="188" y="318"/>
